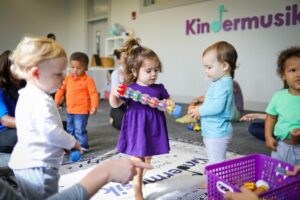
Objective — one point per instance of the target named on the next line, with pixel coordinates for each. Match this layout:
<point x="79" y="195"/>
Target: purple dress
<point x="144" y="130"/>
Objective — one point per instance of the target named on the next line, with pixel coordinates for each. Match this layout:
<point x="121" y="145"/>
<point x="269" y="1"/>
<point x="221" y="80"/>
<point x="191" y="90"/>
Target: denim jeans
<point x="76" y="126"/>
<point x="257" y="129"/>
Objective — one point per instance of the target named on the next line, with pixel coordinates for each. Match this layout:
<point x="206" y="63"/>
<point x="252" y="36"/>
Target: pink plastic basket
<point x="231" y="175"/>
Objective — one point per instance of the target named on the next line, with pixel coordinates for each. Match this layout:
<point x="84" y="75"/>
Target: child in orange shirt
<point x="81" y="98"/>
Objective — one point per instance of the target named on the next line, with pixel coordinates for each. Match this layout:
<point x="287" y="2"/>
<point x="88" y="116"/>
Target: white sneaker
<point x="111" y="120"/>
<point x="84" y="149"/>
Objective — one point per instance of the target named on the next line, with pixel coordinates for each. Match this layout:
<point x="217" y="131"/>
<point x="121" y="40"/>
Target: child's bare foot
<point x="138" y="196"/>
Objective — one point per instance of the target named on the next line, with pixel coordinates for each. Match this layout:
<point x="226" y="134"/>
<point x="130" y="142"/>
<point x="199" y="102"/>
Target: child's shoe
<point x="83" y="150"/>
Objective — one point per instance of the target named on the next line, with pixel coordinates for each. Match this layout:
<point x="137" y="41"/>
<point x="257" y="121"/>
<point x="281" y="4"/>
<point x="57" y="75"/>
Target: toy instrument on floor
<point x="75" y="156"/>
<point x="161" y="105"/>
<point x="195" y="126"/>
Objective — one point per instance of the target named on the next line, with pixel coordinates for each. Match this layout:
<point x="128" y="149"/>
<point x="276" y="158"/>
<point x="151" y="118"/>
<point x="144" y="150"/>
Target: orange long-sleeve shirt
<point x="81" y="94"/>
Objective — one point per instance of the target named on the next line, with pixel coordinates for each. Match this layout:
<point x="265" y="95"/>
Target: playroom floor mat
<point x="176" y="175"/>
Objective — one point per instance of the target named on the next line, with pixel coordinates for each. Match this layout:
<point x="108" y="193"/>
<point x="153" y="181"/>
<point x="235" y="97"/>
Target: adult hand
<point x="245" y="194"/>
<point x="122" y="171"/>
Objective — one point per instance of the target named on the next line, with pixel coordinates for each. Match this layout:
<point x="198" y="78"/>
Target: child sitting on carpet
<point x="117" y="77"/>
<point x="283" y="119"/>
<point x="238" y="108"/>
<point x="81" y="96"/>
<point x="143" y="132"/>
<point x="39" y="151"/>
<point x="217" y="109"/>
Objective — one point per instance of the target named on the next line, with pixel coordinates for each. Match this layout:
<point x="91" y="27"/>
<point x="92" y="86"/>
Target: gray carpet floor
<point x="103" y="137"/>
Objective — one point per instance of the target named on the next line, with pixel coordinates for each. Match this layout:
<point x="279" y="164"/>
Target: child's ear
<point x="35" y="72"/>
<point x="134" y="72"/>
<point x="225" y="66"/>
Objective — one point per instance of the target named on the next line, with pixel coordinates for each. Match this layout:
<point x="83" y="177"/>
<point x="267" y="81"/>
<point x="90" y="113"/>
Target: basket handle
<point x="221" y="185"/>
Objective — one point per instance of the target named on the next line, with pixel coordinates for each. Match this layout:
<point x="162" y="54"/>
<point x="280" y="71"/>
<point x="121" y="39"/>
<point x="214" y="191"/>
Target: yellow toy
<point x="250" y="185"/>
<point x="194" y="127"/>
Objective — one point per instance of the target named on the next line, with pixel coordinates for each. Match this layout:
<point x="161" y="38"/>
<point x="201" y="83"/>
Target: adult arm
<point x="121" y="171"/>
<point x="8" y="121"/>
<point x="75" y="192"/>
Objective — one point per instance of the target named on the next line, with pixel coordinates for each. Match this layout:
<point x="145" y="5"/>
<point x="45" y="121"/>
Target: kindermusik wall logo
<point x="289" y="17"/>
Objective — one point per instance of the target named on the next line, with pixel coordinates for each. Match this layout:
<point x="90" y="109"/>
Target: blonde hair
<point x="135" y="55"/>
<point x="31" y="51"/>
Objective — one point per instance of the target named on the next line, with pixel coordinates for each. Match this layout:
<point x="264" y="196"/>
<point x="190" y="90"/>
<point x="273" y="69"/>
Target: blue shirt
<point x="7" y="107"/>
<point x="217" y="109"/>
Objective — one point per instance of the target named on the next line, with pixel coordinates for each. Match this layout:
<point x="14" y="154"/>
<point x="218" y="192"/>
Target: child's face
<point x="148" y="73"/>
<point x="213" y="68"/>
<point x="51" y="74"/>
<point x="291" y="74"/>
<point x="77" y="68"/>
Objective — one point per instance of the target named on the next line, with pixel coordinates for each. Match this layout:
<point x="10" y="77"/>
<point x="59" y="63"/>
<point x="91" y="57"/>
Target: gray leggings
<point x="37" y="183"/>
<point x="287" y="153"/>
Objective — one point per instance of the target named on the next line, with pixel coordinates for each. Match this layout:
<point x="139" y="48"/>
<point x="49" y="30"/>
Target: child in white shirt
<point x="38" y="154"/>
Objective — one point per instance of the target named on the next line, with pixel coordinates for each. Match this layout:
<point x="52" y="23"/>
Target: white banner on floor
<point x="176" y="175"/>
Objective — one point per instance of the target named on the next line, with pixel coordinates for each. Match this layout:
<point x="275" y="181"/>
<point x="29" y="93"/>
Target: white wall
<point x="77" y="26"/>
<point x="67" y="19"/>
<point x="183" y="75"/>
<point x="32" y="17"/>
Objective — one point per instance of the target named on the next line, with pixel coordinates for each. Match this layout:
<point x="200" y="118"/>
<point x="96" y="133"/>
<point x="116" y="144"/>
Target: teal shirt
<point x="287" y="108"/>
<point x="217" y="109"/>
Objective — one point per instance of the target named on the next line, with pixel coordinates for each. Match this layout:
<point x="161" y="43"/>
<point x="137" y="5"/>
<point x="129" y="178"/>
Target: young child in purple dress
<point x="143" y="132"/>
